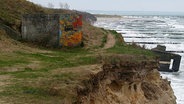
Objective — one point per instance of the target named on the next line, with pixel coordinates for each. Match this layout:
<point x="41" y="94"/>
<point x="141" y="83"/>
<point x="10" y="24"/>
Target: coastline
<point x="100" y="71"/>
<point x="107" y="16"/>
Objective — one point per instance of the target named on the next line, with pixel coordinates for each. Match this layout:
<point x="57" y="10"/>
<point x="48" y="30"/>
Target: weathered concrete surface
<point x="169" y="62"/>
<point x="41" y="28"/>
<point x="53" y="30"/>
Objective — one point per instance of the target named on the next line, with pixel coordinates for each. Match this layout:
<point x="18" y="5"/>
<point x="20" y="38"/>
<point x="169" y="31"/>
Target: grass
<point x="9" y="63"/>
<point x="118" y="37"/>
<point x="47" y="61"/>
<point x="30" y="94"/>
<point x="25" y="83"/>
<point x="11" y="59"/>
<point x="67" y="58"/>
<point x="129" y="49"/>
<point x="14" y="10"/>
<point x="55" y="76"/>
<point x="122" y="48"/>
<point x="104" y="40"/>
<point x="17" y="89"/>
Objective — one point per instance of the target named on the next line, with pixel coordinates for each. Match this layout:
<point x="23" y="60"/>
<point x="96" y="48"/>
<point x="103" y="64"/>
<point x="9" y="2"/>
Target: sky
<point x="119" y="5"/>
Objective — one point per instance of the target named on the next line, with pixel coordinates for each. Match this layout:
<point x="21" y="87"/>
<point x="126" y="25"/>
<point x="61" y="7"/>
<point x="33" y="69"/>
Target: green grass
<point x="11" y="60"/>
<point x="88" y="60"/>
<point x="118" y="37"/>
<point x="122" y="48"/>
<point x="27" y="86"/>
<point x="22" y="94"/>
<point x="113" y="32"/>
<point x="105" y="31"/>
<point x="9" y="63"/>
<point x="129" y="49"/>
<point x="104" y="40"/>
<point x="18" y="90"/>
<point x="47" y="61"/>
<point x="67" y="58"/>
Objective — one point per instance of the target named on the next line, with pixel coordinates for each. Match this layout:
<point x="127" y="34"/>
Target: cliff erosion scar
<point x="127" y="82"/>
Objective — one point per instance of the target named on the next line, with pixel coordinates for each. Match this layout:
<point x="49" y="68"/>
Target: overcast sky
<point x="120" y="5"/>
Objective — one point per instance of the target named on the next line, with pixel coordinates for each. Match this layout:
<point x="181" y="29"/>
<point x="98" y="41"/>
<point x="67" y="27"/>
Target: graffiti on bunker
<point x="70" y="30"/>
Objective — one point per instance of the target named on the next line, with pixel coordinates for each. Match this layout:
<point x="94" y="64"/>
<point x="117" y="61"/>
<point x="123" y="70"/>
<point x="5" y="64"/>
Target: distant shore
<point x="107" y="16"/>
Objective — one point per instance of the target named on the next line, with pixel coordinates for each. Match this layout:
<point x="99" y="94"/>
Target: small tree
<point x="66" y="6"/>
<point x="61" y="5"/>
<point x="50" y="5"/>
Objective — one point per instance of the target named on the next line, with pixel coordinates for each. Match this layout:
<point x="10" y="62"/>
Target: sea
<point x="151" y="29"/>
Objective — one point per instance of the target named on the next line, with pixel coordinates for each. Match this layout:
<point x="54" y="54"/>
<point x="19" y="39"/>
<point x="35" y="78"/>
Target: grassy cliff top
<point x="34" y="75"/>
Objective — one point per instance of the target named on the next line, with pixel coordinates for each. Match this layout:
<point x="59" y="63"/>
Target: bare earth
<point x="110" y="41"/>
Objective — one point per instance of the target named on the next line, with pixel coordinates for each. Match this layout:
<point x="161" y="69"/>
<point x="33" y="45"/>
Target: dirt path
<point x="110" y="41"/>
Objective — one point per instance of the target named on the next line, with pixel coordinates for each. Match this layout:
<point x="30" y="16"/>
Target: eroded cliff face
<point x="127" y="82"/>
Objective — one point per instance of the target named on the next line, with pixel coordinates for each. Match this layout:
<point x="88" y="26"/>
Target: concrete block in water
<point x="169" y="62"/>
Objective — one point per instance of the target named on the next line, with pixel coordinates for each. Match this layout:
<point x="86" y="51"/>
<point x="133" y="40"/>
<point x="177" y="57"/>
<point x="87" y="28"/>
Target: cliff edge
<point x="127" y="82"/>
<point x="99" y="73"/>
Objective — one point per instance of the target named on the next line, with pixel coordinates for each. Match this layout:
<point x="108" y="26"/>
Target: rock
<point x="160" y="48"/>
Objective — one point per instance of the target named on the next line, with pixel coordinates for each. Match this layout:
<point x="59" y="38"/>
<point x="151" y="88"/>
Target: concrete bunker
<point x="52" y="30"/>
<point x="169" y="62"/>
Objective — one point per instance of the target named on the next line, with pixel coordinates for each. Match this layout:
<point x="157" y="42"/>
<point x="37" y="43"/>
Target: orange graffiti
<point x="70" y="27"/>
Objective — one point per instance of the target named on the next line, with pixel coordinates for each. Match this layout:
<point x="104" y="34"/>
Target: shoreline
<point x="107" y="16"/>
<point x="103" y="70"/>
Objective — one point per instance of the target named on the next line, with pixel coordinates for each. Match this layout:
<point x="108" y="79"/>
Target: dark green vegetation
<point x="129" y="49"/>
<point x="51" y="60"/>
<point x="121" y="48"/>
<point x="11" y="11"/>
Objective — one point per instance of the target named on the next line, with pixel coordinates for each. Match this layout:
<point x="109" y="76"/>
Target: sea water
<point x="151" y="31"/>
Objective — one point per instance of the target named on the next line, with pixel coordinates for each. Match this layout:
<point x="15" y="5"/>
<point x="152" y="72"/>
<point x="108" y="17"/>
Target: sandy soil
<point x="110" y="41"/>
